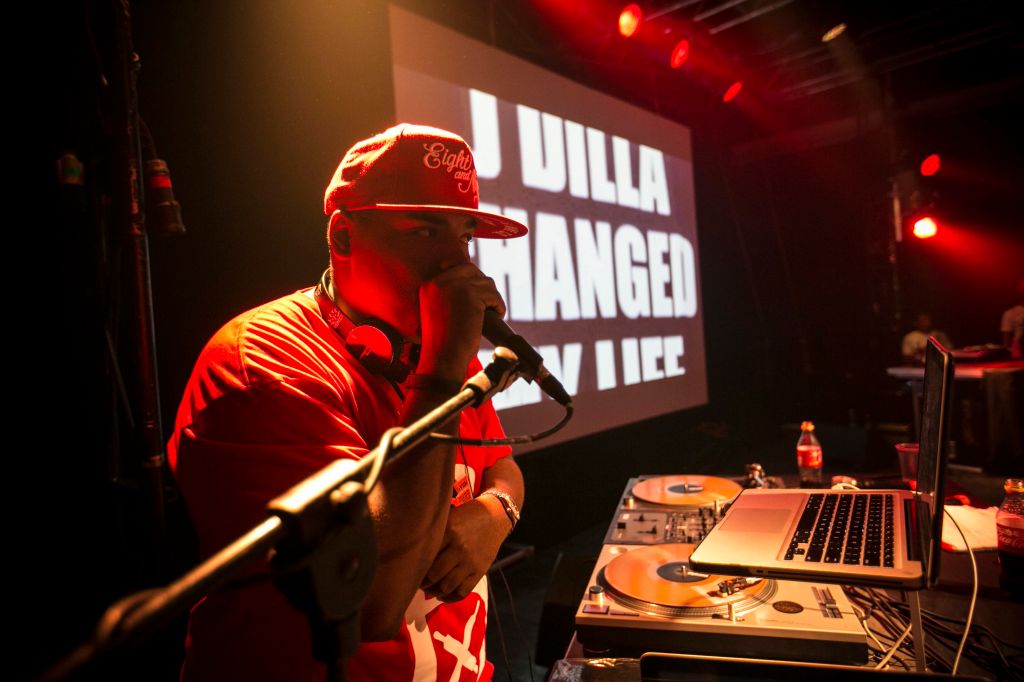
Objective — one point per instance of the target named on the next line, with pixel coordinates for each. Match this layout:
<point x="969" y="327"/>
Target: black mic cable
<point x="530" y="366"/>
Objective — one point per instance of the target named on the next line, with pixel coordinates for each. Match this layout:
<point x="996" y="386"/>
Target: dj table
<point x="988" y="412"/>
<point x="642" y="597"/>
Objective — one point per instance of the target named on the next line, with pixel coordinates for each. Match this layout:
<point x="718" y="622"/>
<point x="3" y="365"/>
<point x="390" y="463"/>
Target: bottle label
<point x="1010" y="538"/>
<point x="809" y="456"/>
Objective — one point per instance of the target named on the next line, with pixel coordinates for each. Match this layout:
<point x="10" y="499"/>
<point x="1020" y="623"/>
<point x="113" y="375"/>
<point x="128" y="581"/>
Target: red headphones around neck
<point x="378" y="346"/>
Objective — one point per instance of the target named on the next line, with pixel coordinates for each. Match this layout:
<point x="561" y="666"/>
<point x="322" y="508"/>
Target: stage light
<point x="629" y="19"/>
<point x="931" y="165"/>
<point x="679" y="53"/>
<point x="925" y="227"/>
<point x="833" y="33"/>
<point x="732" y="92"/>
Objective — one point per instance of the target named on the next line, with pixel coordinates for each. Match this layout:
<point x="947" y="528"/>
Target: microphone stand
<point x="324" y="548"/>
<point x="131" y="218"/>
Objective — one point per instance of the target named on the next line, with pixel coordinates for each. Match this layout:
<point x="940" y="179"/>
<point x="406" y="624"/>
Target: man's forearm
<point x="475" y="533"/>
<point x="505" y="476"/>
<point x="410" y="508"/>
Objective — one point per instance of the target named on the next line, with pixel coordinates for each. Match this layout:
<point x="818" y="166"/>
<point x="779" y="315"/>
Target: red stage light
<point x="925" y="228"/>
<point x="629" y="19"/>
<point x="679" y="53"/>
<point x="733" y="90"/>
<point x="931" y="165"/>
<point x="833" y="33"/>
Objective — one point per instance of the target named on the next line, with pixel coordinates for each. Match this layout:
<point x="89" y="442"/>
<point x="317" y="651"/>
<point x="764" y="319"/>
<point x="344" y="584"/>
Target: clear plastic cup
<point x="907" y="454"/>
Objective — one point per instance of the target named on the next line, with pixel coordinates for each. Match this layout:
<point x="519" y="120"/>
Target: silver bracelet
<point x="507" y="503"/>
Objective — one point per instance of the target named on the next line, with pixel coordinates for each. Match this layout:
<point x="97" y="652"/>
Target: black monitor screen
<point x="932" y="453"/>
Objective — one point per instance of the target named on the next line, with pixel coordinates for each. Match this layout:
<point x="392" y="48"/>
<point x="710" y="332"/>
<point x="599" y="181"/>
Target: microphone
<point x="530" y="362"/>
<point x="164" y="210"/>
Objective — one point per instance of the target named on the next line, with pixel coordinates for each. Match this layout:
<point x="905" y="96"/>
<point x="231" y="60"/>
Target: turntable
<point x="642" y="595"/>
<point x="660" y="509"/>
<point x="686" y="491"/>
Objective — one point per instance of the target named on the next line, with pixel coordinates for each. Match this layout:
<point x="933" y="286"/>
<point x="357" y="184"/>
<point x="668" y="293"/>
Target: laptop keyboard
<point x="853" y="529"/>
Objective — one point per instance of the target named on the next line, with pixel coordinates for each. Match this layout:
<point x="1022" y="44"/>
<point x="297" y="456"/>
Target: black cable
<point x="884" y="613"/>
<point x="992" y="657"/>
<point x="953" y="619"/>
<point x="946" y="636"/>
<point x="515" y="621"/>
<point x="511" y="440"/>
<point x="892" y="615"/>
<point x="998" y="650"/>
<point x="501" y="632"/>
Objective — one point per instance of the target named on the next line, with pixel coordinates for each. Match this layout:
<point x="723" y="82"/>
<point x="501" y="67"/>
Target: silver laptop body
<point x="765" y="532"/>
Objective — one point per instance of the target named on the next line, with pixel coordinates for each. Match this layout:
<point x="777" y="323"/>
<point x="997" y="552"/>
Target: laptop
<point x="882" y="538"/>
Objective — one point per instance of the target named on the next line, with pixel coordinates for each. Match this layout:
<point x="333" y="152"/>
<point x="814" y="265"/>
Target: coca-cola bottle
<point x="1010" y="538"/>
<point x="808" y="457"/>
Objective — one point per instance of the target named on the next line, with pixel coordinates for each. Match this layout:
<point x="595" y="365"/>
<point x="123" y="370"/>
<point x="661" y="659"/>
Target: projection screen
<point x="606" y="286"/>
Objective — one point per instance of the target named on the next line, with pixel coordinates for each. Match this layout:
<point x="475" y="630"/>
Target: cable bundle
<point x="1003" y="660"/>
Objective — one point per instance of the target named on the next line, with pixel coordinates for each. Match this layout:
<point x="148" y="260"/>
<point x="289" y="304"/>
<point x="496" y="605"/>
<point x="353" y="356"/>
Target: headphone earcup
<point x="379" y="347"/>
<point x="375" y="344"/>
<point x="372" y="347"/>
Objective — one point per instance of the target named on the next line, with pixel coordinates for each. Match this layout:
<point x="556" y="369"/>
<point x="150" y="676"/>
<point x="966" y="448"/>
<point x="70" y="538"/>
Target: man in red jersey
<point x="286" y="388"/>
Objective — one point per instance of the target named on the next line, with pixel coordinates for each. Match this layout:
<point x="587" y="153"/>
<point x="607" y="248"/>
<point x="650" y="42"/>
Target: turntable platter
<point x="657" y="580"/>
<point x="686" y="491"/>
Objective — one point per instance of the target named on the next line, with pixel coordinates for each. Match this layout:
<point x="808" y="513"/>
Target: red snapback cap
<point x="414" y="168"/>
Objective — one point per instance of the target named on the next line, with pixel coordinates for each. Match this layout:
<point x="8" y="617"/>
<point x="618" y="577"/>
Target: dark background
<point x="253" y="103"/>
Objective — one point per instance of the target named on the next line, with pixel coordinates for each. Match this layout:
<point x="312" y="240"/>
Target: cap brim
<point x="489" y="225"/>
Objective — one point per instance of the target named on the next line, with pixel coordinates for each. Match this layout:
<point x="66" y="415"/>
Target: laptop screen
<point x="931" y="460"/>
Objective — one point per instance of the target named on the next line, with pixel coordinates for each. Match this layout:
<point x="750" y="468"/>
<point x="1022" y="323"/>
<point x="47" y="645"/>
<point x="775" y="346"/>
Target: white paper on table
<point x="978" y="525"/>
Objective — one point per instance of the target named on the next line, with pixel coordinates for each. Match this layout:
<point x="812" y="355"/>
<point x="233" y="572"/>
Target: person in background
<point x="1012" y="325"/>
<point x="915" y="341"/>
